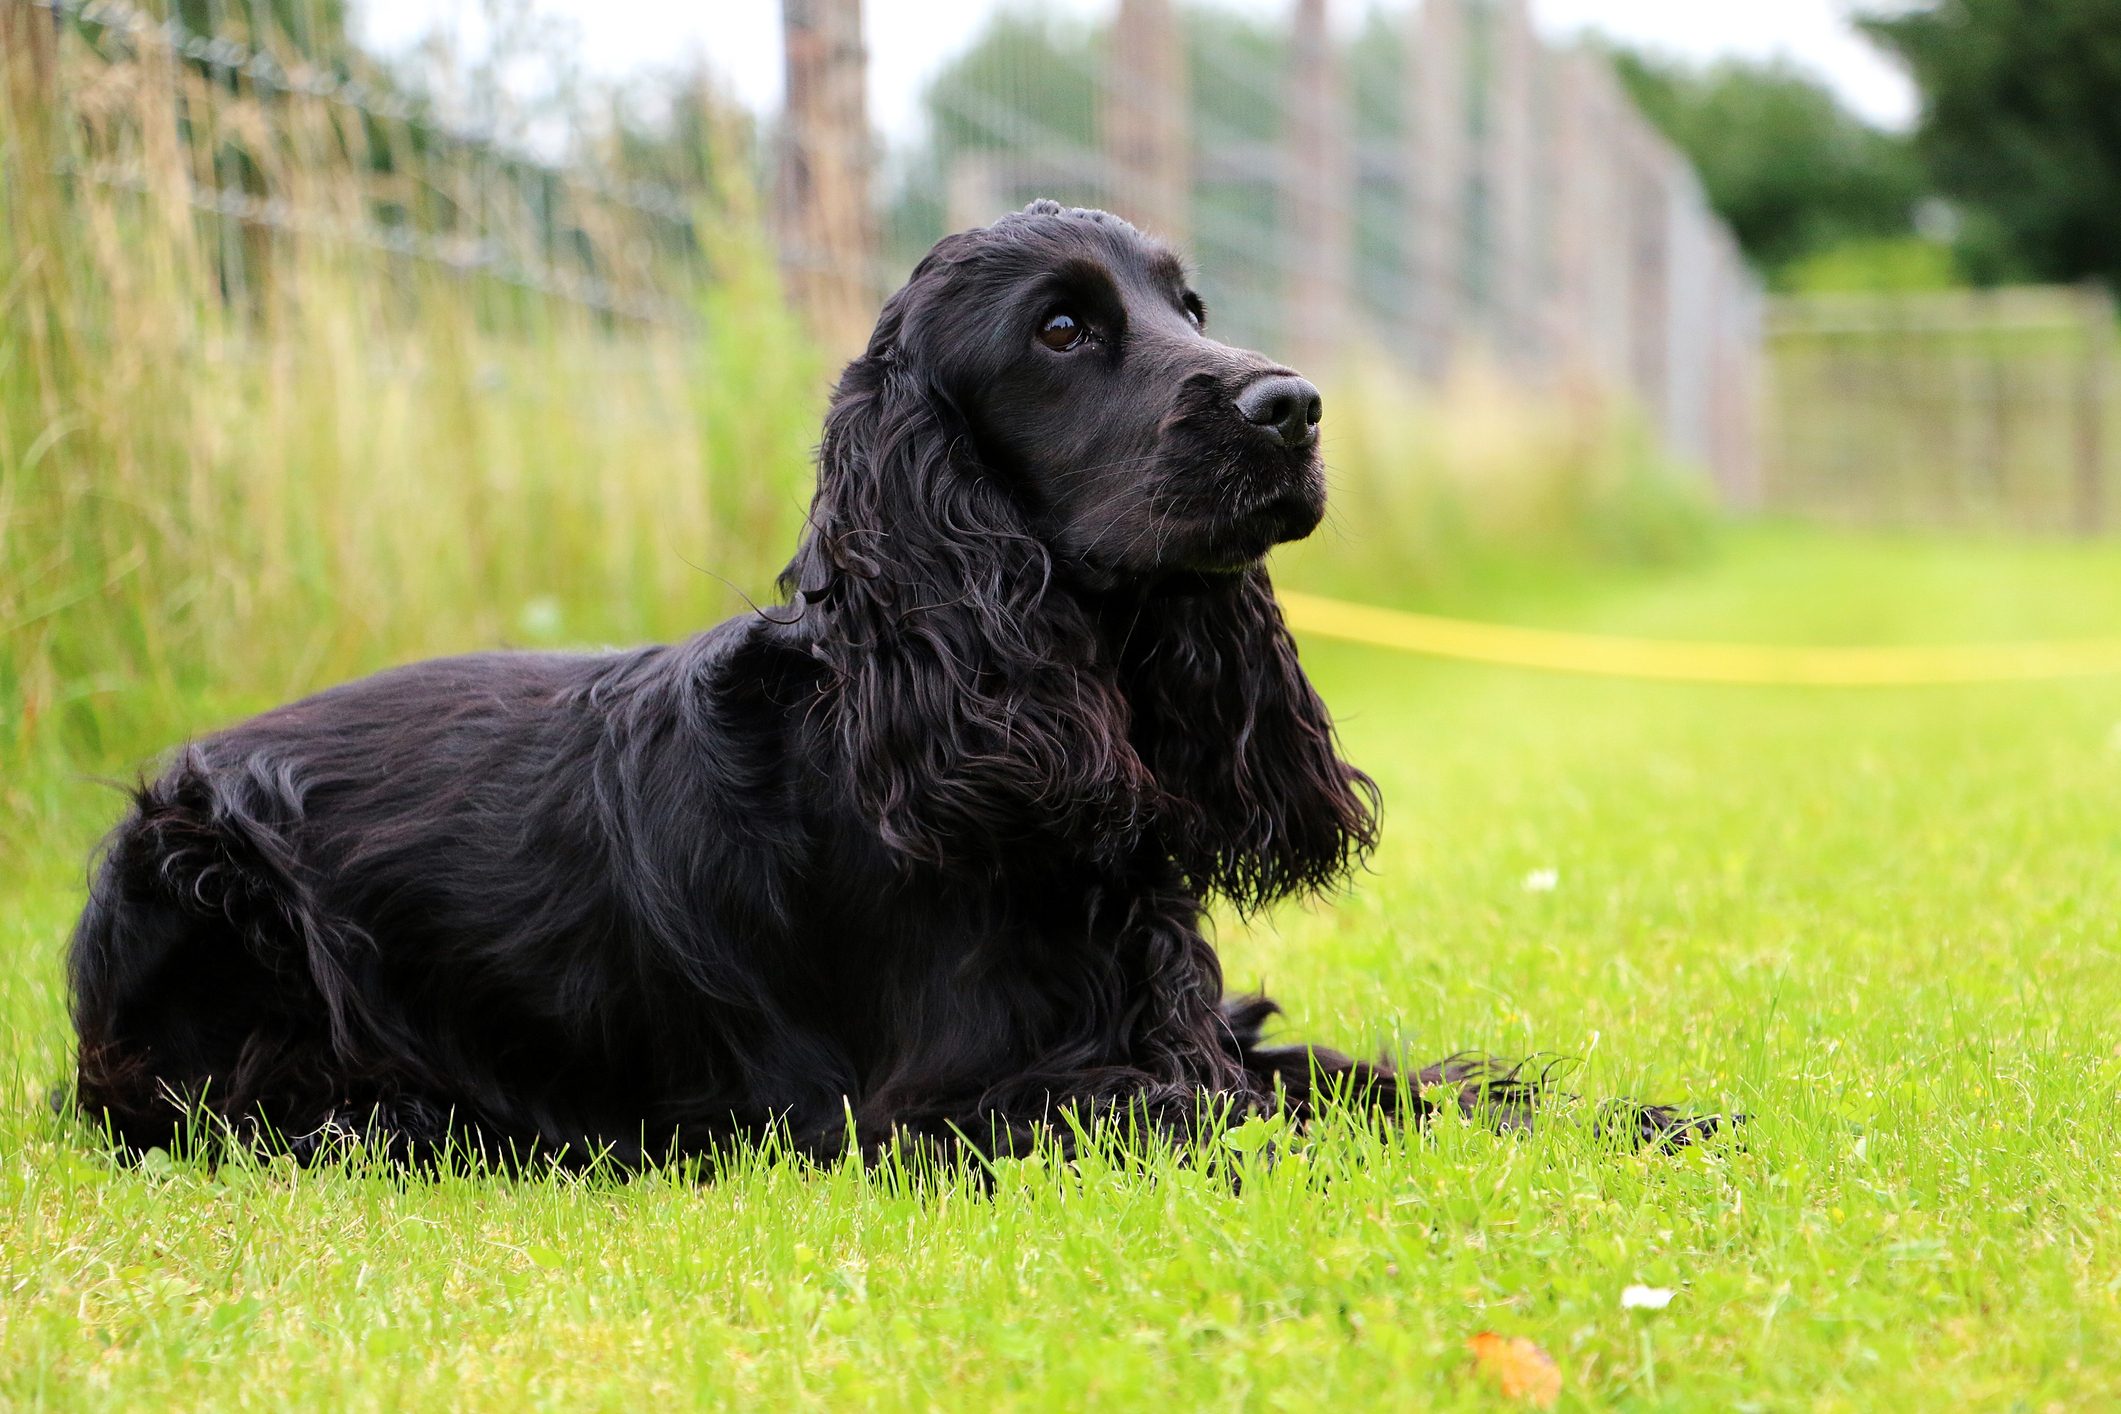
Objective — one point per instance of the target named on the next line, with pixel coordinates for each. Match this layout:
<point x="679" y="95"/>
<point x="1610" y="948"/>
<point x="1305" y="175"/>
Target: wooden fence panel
<point x="1983" y="409"/>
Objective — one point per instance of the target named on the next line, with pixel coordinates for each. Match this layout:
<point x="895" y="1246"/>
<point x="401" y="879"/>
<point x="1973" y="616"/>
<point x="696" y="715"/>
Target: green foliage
<point x="1032" y="82"/>
<point x="2022" y="121"/>
<point x="1878" y="922"/>
<point x="314" y="29"/>
<point x="1026" y="82"/>
<point x="692" y="139"/>
<point x="1030" y="85"/>
<point x="1902" y="265"/>
<point x="1374" y="68"/>
<point x="1791" y="170"/>
<point x="1236" y="69"/>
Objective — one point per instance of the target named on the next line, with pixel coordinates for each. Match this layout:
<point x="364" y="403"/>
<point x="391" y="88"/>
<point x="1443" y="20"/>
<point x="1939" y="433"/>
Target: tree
<point x="1026" y="82"/>
<point x="1792" y="171"/>
<point x="2022" y="122"/>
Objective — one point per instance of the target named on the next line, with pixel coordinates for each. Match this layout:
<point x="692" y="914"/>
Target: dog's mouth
<point x="1231" y="543"/>
<point x="1290" y="514"/>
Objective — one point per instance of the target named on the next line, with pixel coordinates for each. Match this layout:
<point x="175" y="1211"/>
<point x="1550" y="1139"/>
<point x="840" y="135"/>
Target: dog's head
<point x="1039" y="443"/>
<point x="1077" y="357"/>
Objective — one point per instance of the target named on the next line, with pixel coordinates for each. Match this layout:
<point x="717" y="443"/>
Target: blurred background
<point x="337" y="334"/>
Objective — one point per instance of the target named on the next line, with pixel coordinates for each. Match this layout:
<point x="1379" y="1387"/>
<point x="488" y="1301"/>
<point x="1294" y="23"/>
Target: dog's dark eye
<point x="1060" y="332"/>
<point x="1195" y="310"/>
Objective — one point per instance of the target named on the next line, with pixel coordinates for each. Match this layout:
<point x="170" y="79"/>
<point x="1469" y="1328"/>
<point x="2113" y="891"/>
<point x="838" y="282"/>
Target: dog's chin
<point x="1202" y="564"/>
<point x="1198" y="551"/>
<point x="1223" y="561"/>
<point x="1241" y="543"/>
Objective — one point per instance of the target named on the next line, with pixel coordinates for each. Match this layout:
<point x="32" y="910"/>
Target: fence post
<point x="1145" y="127"/>
<point x="1649" y="216"/>
<point x="1320" y="188"/>
<point x="29" y="72"/>
<point x="827" y="224"/>
<point x="1736" y="410"/>
<point x="1579" y="210"/>
<point x="1508" y="162"/>
<point x="2095" y="398"/>
<point x="1436" y="178"/>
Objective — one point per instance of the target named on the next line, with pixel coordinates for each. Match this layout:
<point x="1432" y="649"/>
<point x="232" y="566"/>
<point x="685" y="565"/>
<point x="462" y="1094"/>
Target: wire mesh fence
<point x="1438" y="188"/>
<point x="307" y="365"/>
<point x="273" y="128"/>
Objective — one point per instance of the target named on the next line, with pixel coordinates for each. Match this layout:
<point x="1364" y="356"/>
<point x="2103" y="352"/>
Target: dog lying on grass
<point x="919" y="855"/>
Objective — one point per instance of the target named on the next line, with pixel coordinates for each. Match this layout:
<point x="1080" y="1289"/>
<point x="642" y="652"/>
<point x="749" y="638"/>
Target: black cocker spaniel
<point x="921" y="854"/>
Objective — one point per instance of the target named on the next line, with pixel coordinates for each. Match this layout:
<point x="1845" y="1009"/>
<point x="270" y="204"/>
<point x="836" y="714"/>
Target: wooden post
<point x="29" y="75"/>
<point x="2095" y="399"/>
<point x="1580" y="210"/>
<point x="1320" y="190"/>
<point x="1146" y="135"/>
<point x="1612" y="234"/>
<point x="1436" y="179"/>
<point x="1737" y="392"/>
<point x="1508" y="158"/>
<point x="827" y="222"/>
<point x="1649" y="217"/>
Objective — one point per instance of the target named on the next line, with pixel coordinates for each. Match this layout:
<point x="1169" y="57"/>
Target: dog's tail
<point x="199" y="924"/>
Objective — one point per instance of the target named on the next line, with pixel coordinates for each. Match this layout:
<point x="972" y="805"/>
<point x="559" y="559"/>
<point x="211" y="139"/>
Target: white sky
<point x="910" y="39"/>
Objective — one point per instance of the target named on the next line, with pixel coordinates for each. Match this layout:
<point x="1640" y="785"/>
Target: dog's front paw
<point x="1664" y="1127"/>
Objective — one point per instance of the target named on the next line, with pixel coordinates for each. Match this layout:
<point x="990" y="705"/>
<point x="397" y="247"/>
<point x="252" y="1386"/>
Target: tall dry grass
<point x="239" y="461"/>
<point x="211" y="496"/>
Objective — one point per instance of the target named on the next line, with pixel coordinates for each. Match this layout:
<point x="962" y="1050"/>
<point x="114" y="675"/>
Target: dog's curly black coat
<point x="921" y="853"/>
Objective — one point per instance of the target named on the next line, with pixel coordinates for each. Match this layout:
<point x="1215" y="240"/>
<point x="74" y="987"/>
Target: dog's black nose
<point x="1287" y="404"/>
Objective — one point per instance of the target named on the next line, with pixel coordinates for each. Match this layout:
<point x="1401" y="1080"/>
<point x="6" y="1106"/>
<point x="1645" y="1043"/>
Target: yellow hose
<point x="1678" y="661"/>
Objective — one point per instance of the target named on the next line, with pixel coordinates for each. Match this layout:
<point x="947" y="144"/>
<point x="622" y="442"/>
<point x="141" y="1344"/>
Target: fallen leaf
<point x="1518" y="1366"/>
<point x="1646" y="1298"/>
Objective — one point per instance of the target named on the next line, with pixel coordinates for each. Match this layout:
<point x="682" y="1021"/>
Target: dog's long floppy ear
<point x="969" y="700"/>
<point x="1257" y="803"/>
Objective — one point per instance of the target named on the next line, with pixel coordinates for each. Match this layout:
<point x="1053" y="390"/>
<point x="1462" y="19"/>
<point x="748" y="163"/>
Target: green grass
<point x="1880" y="922"/>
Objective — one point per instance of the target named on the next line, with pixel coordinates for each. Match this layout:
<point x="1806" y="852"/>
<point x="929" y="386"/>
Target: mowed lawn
<point x="1883" y="923"/>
